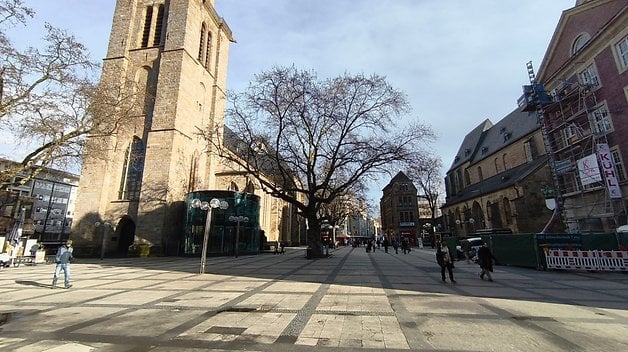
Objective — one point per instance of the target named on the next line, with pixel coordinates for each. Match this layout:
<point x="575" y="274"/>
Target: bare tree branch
<point x="318" y="139"/>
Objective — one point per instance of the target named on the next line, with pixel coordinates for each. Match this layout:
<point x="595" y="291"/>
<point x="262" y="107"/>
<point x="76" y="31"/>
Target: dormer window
<point x="467" y="152"/>
<point x="457" y="158"/>
<point x="507" y="136"/>
<point x="484" y="150"/>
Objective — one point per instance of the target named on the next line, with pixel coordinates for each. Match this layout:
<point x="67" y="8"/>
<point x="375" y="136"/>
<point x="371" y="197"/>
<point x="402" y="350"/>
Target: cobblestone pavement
<point x="352" y="300"/>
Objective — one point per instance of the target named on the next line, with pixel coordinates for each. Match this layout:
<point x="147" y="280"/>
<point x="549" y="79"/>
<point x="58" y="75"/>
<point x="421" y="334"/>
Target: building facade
<point x="134" y="184"/>
<point x="48" y="200"/>
<point x="585" y="73"/>
<point x="497" y="178"/>
<point x="399" y="209"/>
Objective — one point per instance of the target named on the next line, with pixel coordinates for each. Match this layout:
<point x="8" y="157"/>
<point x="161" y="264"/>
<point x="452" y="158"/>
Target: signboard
<point x="559" y="241"/>
<point x="405" y="224"/>
<point x="608" y="170"/>
<point x="589" y="170"/>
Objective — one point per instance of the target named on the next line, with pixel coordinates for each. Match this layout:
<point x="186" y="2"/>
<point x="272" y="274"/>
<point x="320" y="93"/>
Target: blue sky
<point x="458" y="61"/>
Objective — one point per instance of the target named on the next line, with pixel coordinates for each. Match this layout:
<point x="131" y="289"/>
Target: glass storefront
<point x="242" y="209"/>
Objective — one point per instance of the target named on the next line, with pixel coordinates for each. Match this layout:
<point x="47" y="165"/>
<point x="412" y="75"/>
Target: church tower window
<point x="147" y="21"/>
<point x="201" y="43"/>
<point x="132" y="171"/>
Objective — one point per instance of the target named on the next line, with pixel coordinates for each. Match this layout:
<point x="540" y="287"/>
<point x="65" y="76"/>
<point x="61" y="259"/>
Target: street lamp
<point x="470" y="221"/>
<point x="238" y="220"/>
<point x="208" y="206"/>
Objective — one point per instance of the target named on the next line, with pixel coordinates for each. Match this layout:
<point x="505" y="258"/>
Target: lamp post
<point x="208" y="206"/>
<point x="238" y="220"/>
<point x="470" y="221"/>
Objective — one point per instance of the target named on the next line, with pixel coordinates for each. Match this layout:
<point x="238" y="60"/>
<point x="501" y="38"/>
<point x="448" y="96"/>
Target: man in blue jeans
<point x="63" y="259"/>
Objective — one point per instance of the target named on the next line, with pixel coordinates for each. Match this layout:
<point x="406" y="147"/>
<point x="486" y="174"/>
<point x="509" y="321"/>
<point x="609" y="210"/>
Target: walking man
<point x="485" y="259"/>
<point x="63" y="259"/>
<point x="445" y="261"/>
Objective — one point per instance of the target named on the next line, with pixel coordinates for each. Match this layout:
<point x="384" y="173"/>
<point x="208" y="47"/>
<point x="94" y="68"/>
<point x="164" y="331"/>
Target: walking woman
<point x="445" y="261"/>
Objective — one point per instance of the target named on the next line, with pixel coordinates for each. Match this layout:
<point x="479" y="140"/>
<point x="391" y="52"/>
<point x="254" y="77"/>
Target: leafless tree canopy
<point x="49" y="97"/>
<point x="319" y="138"/>
<point x="429" y="180"/>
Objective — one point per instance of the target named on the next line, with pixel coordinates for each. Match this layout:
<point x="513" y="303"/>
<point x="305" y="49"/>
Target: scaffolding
<point x="573" y="124"/>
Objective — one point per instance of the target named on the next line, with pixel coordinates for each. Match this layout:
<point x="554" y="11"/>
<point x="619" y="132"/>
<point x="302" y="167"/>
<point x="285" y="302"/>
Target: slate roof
<point x="499" y="181"/>
<point x="486" y="139"/>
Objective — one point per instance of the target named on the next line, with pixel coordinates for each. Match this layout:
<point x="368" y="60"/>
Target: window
<point x="132" y="171"/>
<point x="480" y="176"/>
<point x="622" y="52"/>
<point x="619" y="164"/>
<point x="201" y="43"/>
<point x="580" y="42"/>
<point x="589" y="76"/>
<point x="504" y="159"/>
<point x="208" y="49"/>
<point x="602" y="120"/>
<point x="158" y="26"/>
<point x="147" y="22"/>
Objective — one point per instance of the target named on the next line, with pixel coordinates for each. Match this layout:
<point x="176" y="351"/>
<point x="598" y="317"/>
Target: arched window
<point x="467" y="177"/>
<point x="496" y="165"/>
<point x="208" y="49"/>
<point x="504" y="158"/>
<point x="507" y="211"/>
<point x="148" y="18"/>
<point x="581" y="41"/>
<point x="193" y="173"/>
<point x="480" y="176"/>
<point x="250" y="188"/>
<point x="158" y="26"/>
<point x="132" y="169"/>
<point x="201" y="43"/>
<point x="233" y="187"/>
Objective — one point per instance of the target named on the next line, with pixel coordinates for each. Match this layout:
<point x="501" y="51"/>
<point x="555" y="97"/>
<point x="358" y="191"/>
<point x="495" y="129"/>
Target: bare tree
<point x="50" y="99"/>
<point x="429" y="180"/>
<point x="344" y="205"/>
<point x="319" y="138"/>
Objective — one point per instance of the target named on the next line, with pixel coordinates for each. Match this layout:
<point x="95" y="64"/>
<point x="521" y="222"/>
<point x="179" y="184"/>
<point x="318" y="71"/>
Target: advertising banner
<point x="608" y="170"/>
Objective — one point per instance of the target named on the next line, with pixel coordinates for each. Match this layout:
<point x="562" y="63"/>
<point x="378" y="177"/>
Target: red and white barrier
<point x="586" y="260"/>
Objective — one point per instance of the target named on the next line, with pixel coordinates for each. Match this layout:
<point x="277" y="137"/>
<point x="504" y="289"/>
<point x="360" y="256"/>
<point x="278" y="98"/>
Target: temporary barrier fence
<point x="586" y="260"/>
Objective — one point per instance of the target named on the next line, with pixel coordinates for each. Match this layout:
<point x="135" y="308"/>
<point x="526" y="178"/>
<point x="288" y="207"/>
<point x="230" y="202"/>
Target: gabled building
<point x="497" y="177"/>
<point x="585" y="71"/>
<point x="399" y="209"/>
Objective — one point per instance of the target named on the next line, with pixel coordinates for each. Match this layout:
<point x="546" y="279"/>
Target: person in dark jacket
<point x="63" y="259"/>
<point x="485" y="259"/>
<point x="445" y="261"/>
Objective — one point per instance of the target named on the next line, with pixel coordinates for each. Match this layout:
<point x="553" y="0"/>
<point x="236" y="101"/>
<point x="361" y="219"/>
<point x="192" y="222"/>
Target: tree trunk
<point x="314" y="242"/>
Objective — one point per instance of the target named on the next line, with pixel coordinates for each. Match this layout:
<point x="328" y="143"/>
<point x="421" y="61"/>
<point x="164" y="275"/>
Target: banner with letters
<point x="608" y="170"/>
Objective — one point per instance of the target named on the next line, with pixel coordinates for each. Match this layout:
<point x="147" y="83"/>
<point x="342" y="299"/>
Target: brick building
<point x="585" y="70"/>
<point x="399" y="209"/>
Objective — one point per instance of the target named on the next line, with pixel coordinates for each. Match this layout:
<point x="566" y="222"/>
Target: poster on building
<point x="608" y="170"/>
<point x="589" y="170"/>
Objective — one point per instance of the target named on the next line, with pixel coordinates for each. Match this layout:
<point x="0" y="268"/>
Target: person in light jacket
<point x="63" y="259"/>
<point x="443" y="258"/>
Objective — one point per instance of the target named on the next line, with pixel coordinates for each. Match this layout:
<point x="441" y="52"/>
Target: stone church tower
<point x="136" y="180"/>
